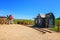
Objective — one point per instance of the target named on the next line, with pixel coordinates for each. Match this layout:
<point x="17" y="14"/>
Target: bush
<point x="24" y="21"/>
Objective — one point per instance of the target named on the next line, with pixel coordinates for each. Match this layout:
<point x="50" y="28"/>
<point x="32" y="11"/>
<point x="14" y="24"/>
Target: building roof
<point x="3" y="17"/>
<point x="42" y="15"/>
<point x="48" y="15"/>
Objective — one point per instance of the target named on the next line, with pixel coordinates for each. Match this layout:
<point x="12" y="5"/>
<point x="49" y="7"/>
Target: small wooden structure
<point x="45" y="20"/>
<point x="6" y="20"/>
<point x="3" y="20"/>
<point x="10" y="17"/>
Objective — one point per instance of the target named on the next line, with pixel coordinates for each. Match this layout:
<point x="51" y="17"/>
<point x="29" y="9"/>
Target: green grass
<point x="57" y="21"/>
<point x="24" y="20"/>
<point x="55" y="28"/>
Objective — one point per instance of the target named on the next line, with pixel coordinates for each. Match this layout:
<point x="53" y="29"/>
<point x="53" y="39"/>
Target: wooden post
<point x="58" y="26"/>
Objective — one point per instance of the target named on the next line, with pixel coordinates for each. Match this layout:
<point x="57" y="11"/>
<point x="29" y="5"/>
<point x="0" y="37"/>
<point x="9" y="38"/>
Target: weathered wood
<point x="3" y="20"/>
<point x="44" y="21"/>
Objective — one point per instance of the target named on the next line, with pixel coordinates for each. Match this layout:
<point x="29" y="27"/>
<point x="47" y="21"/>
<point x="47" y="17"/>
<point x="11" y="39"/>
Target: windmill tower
<point x="10" y="19"/>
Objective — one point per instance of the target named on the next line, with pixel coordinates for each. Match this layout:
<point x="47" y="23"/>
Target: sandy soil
<point x="20" y="32"/>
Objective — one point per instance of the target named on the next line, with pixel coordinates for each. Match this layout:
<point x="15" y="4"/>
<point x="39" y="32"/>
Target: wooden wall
<point x="3" y="21"/>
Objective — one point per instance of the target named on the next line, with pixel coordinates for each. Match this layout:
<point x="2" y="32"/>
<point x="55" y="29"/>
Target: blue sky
<point x="28" y="9"/>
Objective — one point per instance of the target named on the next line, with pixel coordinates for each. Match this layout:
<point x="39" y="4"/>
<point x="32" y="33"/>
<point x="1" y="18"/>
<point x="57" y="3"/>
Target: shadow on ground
<point x="43" y="30"/>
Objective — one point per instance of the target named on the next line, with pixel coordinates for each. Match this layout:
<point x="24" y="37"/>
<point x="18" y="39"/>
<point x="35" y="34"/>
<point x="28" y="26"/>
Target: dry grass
<point x="20" y="32"/>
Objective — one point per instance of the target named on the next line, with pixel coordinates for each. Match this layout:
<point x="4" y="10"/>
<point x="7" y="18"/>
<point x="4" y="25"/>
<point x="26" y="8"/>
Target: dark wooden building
<point x="45" y="20"/>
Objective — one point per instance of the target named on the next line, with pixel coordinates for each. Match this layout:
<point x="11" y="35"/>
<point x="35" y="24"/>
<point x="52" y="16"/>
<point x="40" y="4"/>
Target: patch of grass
<point x="31" y="22"/>
<point x="55" y="28"/>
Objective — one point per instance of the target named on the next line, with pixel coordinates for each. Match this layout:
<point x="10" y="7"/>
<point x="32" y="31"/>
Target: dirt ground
<point x="20" y="32"/>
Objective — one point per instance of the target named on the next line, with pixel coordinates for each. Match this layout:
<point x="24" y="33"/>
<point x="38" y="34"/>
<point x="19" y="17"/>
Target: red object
<point x="11" y="17"/>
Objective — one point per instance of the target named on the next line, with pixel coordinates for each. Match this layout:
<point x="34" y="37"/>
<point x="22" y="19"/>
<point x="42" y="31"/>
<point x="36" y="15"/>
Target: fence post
<point x="58" y="26"/>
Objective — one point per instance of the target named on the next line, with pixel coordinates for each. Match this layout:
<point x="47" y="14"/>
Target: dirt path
<point x="20" y="32"/>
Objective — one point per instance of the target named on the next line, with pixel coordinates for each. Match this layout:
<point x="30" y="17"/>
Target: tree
<point x="58" y="18"/>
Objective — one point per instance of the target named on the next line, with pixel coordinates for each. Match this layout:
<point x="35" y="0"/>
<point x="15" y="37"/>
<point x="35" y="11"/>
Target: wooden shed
<point x="45" y="20"/>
